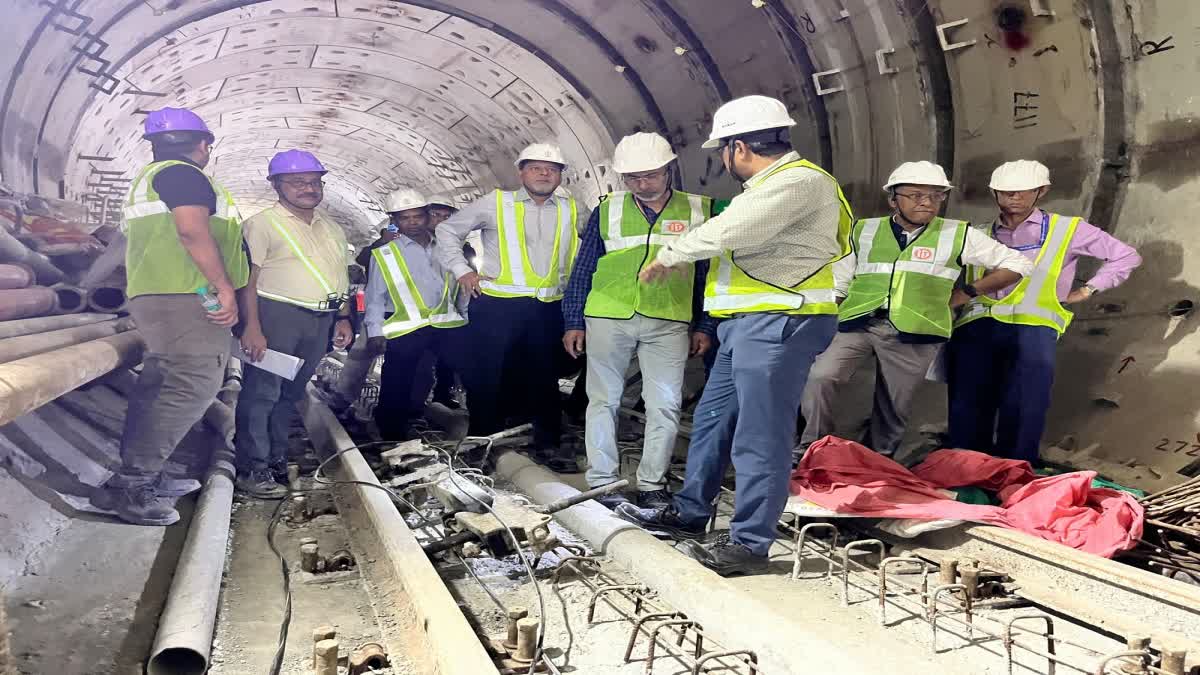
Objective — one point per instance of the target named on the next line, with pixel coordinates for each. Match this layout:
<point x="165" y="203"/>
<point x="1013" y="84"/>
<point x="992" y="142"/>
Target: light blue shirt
<point x="427" y="274"/>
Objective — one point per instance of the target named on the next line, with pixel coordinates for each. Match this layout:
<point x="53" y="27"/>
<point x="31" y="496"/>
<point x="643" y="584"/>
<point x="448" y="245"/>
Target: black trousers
<point x="398" y="403"/>
<point x="515" y="351"/>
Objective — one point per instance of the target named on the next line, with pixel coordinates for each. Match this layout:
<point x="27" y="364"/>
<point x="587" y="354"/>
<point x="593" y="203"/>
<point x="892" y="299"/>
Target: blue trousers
<point x="1000" y="376"/>
<point x="747" y="416"/>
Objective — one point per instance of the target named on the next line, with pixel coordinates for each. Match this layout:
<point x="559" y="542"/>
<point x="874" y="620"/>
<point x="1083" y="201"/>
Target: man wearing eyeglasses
<point x="897" y="291"/>
<point x="1000" y="362"/>
<point x="610" y="313"/>
<point x="298" y="284"/>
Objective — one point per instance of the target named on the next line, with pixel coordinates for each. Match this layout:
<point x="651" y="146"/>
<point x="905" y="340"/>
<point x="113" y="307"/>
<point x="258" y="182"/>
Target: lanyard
<point x="1030" y="247"/>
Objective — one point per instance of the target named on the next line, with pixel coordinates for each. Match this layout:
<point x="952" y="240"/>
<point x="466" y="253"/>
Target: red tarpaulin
<point x="847" y="477"/>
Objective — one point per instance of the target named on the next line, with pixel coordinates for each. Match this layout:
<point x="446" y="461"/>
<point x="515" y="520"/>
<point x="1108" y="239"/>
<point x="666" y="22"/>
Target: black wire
<point x="277" y="661"/>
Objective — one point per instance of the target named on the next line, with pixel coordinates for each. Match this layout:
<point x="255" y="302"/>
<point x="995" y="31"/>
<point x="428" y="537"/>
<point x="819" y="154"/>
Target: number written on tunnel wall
<point x="1150" y="47"/>
<point x="1190" y="448"/>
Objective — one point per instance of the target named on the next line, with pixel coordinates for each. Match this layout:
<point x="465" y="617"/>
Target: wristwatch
<point x="970" y="290"/>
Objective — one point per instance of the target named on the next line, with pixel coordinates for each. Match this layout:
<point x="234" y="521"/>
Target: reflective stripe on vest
<point x="517" y="277"/>
<point x="308" y="264"/>
<point x="731" y="291"/>
<point x="1034" y="302"/>
<point x="631" y="242"/>
<point x="917" y="292"/>
<point x="155" y="260"/>
<point x="410" y="311"/>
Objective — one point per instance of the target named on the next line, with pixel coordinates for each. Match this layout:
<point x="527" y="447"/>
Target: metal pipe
<point x="19" y="303"/>
<point x="13" y="251"/>
<point x="43" y="324"/>
<point x="12" y="349"/>
<point x="71" y="299"/>
<point x="28" y="383"/>
<point x="106" y="263"/>
<point x="108" y="299"/>
<point x="16" y="276"/>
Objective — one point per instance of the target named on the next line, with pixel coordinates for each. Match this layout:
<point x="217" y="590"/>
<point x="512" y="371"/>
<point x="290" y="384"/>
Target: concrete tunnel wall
<point x="442" y="96"/>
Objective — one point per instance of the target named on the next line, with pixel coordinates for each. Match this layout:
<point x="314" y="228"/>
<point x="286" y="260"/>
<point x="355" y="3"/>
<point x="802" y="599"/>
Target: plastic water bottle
<point x="208" y="299"/>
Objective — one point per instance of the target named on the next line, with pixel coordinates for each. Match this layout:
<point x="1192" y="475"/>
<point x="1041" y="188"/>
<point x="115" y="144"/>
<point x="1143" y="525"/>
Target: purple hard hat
<point x="174" y="119"/>
<point x="294" y="161"/>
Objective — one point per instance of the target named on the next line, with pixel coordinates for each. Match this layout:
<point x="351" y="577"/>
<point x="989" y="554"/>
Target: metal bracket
<point x="639" y="590"/>
<point x="637" y="628"/>
<point x="822" y="91"/>
<point x="1052" y="663"/>
<point x="881" y="59"/>
<point x="801" y="538"/>
<point x="1039" y="8"/>
<point x="948" y="46"/>
<point x="751" y="659"/>
<point x="852" y="546"/>
<point x="683" y="625"/>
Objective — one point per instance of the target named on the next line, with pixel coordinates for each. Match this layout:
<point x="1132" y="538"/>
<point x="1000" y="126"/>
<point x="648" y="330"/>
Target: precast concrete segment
<point x="732" y="616"/>
<point x="185" y="630"/>
<point x="28" y="383"/>
<point x="15" y="348"/>
<point x="446" y="644"/>
<point x="1105" y="593"/>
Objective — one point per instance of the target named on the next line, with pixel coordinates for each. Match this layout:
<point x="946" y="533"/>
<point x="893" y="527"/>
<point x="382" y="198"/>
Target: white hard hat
<point x="747" y="114"/>
<point x="546" y="152"/>
<point x="404" y="199"/>
<point x="1023" y="174"/>
<point x="442" y="199"/>
<point x="918" y="173"/>
<point x="642" y="152"/>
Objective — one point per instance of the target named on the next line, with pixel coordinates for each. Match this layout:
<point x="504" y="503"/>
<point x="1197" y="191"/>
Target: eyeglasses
<point x="645" y="177"/>
<point x="298" y="184"/>
<point x="548" y="169"/>
<point x="923" y="197"/>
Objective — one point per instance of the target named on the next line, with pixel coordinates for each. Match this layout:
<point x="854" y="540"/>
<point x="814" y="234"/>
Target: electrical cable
<point x="516" y="544"/>
<point x="277" y="660"/>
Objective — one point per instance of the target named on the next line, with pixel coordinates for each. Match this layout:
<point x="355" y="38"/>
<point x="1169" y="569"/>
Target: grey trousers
<point x="901" y="369"/>
<point x="181" y="374"/>
<point x="267" y="405"/>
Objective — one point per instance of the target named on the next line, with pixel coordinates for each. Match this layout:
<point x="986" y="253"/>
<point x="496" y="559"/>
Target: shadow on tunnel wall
<point x="1117" y="382"/>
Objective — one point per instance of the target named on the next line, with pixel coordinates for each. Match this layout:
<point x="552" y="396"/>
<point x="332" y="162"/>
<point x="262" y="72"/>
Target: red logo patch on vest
<point x="922" y="253"/>
<point x="675" y="226"/>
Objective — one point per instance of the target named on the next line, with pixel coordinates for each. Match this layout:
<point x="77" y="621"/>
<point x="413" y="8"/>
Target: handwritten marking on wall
<point x="1150" y="47"/>
<point x="1025" y="109"/>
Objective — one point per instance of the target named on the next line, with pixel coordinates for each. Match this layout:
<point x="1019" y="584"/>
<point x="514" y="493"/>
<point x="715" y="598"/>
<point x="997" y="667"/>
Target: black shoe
<point x="551" y="459"/>
<point x="665" y="520"/>
<point x="654" y="499"/>
<point x="261" y="484"/>
<point x="140" y="505"/>
<point x="448" y="401"/>
<point x="727" y="557"/>
<point x="612" y="500"/>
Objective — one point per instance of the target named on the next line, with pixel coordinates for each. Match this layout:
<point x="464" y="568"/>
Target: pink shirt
<point x="1120" y="259"/>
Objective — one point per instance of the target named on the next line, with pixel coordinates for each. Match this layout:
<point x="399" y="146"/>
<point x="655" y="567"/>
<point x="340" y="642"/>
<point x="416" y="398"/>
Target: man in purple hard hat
<point x="297" y="289"/>
<point x="185" y="261"/>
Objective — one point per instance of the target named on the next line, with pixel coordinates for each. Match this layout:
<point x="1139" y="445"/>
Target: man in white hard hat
<point x="897" y="291"/>
<point x="772" y="279"/>
<point x="529" y="239"/>
<point x="1000" y="360"/>
<point x="441" y="206"/>
<point x="413" y="308"/>
<point x="608" y="311"/>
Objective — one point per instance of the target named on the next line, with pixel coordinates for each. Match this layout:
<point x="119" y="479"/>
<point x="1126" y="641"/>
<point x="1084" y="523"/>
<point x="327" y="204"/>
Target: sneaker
<point x="166" y="486"/>
<point x="727" y="557"/>
<point x="261" y="484"/>
<point x="139" y="505"/>
<point x="654" y="499"/>
<point x="612" y="500"/>
<point x="663" y="520"/>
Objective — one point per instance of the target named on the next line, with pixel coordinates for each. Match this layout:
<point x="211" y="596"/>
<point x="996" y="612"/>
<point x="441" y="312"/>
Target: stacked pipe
<point x="1171" y="541"/>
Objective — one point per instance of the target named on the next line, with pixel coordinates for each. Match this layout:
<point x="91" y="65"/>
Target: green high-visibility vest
<point x="517" y="278"/>
<point x="916" y="282"/>
<point x="411" y="312"/>
<point x="155" y="261"/>
<point x="630" y="243"/>
<point x="729" y="290"/>
<point x="1034" y="302"/>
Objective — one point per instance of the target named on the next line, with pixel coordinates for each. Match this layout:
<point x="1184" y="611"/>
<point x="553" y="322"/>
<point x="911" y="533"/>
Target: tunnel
<point x="442" y="96"/>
